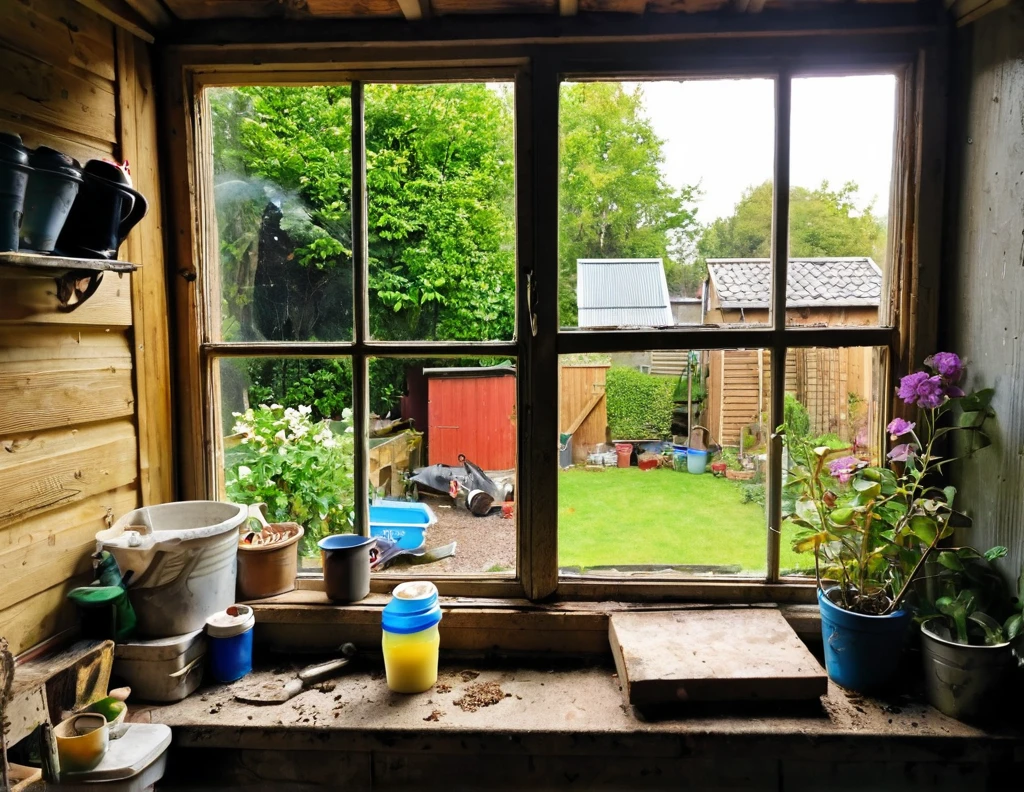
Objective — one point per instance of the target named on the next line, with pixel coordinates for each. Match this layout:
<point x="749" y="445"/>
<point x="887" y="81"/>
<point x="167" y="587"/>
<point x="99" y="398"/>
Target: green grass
<point x="627" y="516"/>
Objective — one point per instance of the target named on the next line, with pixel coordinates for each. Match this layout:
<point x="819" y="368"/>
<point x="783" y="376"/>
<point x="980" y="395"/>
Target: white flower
<point x="304" y="410"/>
<point x="275" y="406"/>
<point x="243" y="471"/>
<point x="281" y="437"/>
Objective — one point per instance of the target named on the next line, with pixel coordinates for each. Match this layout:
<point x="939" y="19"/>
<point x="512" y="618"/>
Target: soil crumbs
<point x="481" y="694"/>
<point x="434" y="716"/>
<point x="443" y="687"/>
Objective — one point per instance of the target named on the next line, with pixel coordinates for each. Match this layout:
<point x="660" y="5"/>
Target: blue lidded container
<point x="410" y="638"/>
<point x="229" y="634"/>
<point x="413" y="607"/>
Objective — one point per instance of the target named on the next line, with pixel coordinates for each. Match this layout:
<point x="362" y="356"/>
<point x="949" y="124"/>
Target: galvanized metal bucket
<point x="963" y="681"/>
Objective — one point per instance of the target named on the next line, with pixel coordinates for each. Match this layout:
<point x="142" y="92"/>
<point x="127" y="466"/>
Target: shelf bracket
<point x="75" y="287"/>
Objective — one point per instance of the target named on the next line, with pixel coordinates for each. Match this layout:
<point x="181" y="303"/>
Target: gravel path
<point x="485" y="544"/>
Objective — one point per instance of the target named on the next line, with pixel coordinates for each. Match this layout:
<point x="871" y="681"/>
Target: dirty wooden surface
<point x="714" y="655"/>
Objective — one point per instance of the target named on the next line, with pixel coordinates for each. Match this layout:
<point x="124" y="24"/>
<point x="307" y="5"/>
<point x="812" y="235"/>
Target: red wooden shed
<point x="472" y="411"/>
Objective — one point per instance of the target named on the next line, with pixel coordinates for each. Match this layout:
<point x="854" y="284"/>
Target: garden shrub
<point x="752" y="493"/>
<point x="639" y="405"/>
<point x="796" y="418"/>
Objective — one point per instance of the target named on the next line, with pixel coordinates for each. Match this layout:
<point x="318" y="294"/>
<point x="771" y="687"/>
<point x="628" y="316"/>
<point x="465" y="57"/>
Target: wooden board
<point x="28" y="298"/>
<point x="713" y="655"/>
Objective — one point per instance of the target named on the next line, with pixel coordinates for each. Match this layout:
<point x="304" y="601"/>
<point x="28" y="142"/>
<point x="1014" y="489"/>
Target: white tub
<point x="182" y="556"/>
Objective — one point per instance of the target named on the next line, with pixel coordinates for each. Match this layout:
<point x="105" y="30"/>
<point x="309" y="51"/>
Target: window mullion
<point x="779" y="270"/>
<point x="360" y="310"/>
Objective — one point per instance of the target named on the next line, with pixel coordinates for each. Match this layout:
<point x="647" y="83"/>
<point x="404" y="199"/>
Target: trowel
<point x="275" y="692"/>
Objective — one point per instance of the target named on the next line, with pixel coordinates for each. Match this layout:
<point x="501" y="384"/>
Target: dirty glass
<point x="282" y="179"/>
<point x="841" y="164"/>
<point x="440" y="185"/>
<point x="286" y="440"/>
<point x="834" y="399"/>
<point x="442" y="462"/>
<point x="663" y="463"/>
<point x="657" y="179"/>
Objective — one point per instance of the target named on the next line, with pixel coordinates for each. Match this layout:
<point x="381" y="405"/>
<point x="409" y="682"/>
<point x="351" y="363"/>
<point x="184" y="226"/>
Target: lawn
<point x="621" y="516"/>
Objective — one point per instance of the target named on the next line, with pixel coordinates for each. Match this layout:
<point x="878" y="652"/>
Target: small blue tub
<point x="696" y="461"/>
<point x="229" y="637"/>
<point x="402" y="522"/>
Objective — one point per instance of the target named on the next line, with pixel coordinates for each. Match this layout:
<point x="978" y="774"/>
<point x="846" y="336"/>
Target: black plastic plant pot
<point x="14" y="173"/>
<point x="51" y="191"/>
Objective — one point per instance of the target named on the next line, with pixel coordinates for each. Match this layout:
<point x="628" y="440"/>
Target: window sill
<point x="556" y="722"/>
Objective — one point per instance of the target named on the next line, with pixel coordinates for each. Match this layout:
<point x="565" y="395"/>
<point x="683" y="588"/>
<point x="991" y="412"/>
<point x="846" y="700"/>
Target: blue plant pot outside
<point x="862" y="653"/>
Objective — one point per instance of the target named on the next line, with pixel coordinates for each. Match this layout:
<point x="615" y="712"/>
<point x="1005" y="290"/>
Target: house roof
<point x="812" y="282"/>
<point x="622" y="293"/>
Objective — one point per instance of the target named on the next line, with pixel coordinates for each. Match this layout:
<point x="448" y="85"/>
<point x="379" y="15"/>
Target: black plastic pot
<point x="14" y="172"/>
<point x="106" y="209"/>
<point x="52" y="188"/>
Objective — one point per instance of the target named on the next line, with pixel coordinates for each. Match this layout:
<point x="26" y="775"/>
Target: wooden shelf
<point x="56" y="266"/>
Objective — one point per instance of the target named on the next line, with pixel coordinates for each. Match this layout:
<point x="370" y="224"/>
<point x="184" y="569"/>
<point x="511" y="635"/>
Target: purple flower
<point x="908" y="386"/>
<point x="898" y="427"/>
<point x="902" y="452"/>
<point x="931" y="392"/>
<point x="947" y="364"/>
<point x="844" y="468"/>
<point x="954" y="392"/>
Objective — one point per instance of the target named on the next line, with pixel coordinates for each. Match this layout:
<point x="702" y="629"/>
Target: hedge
<point x="639" y="405"/>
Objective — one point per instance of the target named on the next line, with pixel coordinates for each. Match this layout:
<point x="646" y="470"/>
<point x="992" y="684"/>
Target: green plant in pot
<point x="872" y="527"/>
<point x="969" y="621"/>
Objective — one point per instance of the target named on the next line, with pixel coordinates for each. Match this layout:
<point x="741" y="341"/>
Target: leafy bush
<point x="752" y="493"/>
<point x="301" y="469"/>
<point x="639" y="405"/>
<point x="830" y="440"/>
<point x="796" y="418"/>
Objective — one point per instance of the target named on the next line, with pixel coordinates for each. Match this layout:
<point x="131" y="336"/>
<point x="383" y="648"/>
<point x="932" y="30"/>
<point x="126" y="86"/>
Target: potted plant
<point x="969" y="620"/>
<point x="871" y="527"/>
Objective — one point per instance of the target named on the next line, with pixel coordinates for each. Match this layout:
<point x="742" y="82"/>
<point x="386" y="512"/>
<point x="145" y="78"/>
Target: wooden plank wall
<point x="577" y="387"/>
<point x="75" y="387"/>
<point x="984" y="309"/>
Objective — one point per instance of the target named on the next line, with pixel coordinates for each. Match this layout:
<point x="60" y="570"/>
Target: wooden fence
<point x="583" y="409"/>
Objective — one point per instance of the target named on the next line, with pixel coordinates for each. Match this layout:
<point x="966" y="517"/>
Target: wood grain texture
<point x="712" y="655"/>
<point x="137" y="130"/>
<point x="32" y="299"/>
<point x="42" y="471"/>
<point x="986" y="263"/>
<point x="40" y="616"/>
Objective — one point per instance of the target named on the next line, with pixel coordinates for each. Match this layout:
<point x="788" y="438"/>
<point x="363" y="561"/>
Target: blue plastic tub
<point x="862" y="653"/>
<point x="696" y="461"/>
<point x="402" y="522"/>
<point x="229" y="638"/>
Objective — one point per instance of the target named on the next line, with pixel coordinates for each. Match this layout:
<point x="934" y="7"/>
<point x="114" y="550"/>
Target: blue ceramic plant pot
<point x="862" y="653"/>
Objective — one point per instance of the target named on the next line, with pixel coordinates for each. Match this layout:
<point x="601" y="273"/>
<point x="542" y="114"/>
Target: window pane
<point x="663" y="457"/>
<point x="282" y="178"/>
<point x="287" y="441"/>
<point x="441" y="191"/>
<point x="840" y="173"/>
<point x="444" y="448"/>
<point x="660" y="179"/>
<point x="834" y="398"/>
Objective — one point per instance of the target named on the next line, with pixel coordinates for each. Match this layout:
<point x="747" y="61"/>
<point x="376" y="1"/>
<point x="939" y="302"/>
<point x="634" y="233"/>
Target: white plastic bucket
<point x="182" y="556"/>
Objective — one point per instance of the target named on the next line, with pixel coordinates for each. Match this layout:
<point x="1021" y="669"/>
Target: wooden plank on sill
<point x="24" y="779"/>
<point x="715" y="655"/>
<point x="31" y="299"/>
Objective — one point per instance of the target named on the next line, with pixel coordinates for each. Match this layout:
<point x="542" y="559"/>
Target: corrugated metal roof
<point x="811" y="282"/>
<point x="622" y="293"/>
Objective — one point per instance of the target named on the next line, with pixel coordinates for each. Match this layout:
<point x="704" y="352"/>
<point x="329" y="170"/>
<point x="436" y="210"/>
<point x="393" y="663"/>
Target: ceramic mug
<point x="82" y="741"/>
<point x="346" y="562"/>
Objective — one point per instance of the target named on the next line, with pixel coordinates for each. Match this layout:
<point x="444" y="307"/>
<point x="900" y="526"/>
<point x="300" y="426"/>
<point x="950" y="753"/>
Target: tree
<point x="615" y="201"/>
<point x="823" y="222"/>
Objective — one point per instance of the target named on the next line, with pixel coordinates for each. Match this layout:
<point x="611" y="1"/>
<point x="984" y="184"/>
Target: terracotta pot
<point x="739" y="475"/>
<point x="265" y="570"/>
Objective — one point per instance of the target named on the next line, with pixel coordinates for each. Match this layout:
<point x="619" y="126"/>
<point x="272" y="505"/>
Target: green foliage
<point x="753" y="493"/>
<point x="830" y="440"/>
<point x="300" y="468"/>
<point x="639" y="405"/>
<point x="796" y="419"/>
<point x="615" y="200"/>
<point x="822" y="222"/>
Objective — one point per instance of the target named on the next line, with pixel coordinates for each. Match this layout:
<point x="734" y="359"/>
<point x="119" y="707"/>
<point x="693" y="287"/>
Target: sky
<point x="720" y="133"/>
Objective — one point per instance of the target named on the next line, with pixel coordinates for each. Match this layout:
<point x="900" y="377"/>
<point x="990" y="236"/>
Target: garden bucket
<point x="862" y="652"/>
<point x="346" y="562"/>
<point x="624" y="452"/>
<point x="963" y="681"/>
<point x="696" y="461"/>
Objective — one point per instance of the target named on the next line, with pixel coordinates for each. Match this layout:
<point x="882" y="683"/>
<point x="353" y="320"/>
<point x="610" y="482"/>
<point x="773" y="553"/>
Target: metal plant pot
<point x="963" y="681"/>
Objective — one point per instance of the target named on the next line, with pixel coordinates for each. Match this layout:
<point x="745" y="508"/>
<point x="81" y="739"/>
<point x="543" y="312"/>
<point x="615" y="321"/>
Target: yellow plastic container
<point x="411" y="638"/>
<point x="82" y="741"/>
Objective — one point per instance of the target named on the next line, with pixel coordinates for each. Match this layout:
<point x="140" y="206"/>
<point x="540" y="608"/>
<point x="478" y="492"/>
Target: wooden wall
<point x="581" y="396"/>
<point x="85" y="421"/>
<point x="984" y="306"/>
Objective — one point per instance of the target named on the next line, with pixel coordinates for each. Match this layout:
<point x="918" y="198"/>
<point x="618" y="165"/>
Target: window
<point x="387" y="269"/>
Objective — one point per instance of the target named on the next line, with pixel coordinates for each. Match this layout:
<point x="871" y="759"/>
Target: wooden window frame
<point x="916" y="55"/>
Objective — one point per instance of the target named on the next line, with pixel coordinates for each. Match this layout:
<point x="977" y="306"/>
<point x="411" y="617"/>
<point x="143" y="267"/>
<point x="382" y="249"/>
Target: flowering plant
<point x="870" y="526"/>
<point x="301" y="469"/>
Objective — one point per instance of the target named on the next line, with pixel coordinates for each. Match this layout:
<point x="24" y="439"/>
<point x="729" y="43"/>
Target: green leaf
<point x="993" y="630"/>
<point x="977" y="401"/>
<point x="970" y="420"/>
<point x="1013" y="626"/>
<point x="950" y="560"/>
<point x="843" y="516"/>
<point x="995" y="552"/>
<point x="950" y="493"/>
<point x="924" y="528"/>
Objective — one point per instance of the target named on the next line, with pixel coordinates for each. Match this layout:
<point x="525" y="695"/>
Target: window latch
<point x="531" y="301"/>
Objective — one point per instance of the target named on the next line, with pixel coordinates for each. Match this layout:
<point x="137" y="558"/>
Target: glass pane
<point x="287" y="442"/>
<point x="282" y="179"/>
<point x="834" y="398"/>
<point x="441" y="190"/>
<point x="841" y="168"/>
<point x="652" y="194"/>
<point x="443" y="448"/>
<point x="663" y="463"/>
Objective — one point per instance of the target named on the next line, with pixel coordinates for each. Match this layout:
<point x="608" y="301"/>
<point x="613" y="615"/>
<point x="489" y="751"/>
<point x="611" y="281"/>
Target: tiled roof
<point x="622" y="293"/>
<point x="812" y="282"/>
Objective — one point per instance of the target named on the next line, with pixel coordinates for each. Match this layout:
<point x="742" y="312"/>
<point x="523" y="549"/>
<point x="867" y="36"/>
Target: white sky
<point x="721" y="133"/>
